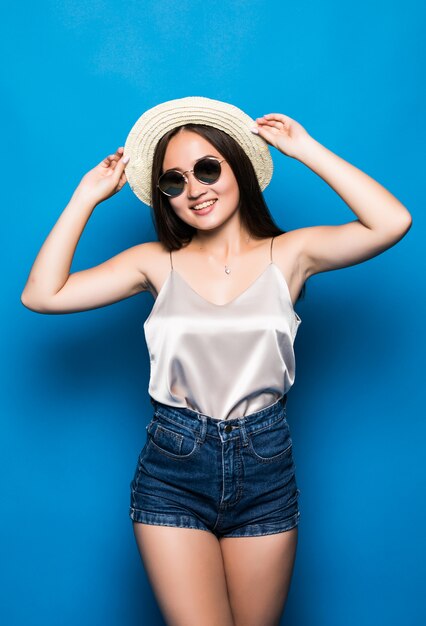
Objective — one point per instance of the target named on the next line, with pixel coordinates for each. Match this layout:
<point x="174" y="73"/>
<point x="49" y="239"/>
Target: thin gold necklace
<point x="227" y="268"/>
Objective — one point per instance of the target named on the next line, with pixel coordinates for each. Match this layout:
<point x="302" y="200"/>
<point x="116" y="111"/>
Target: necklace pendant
<point x="227" y="270"/>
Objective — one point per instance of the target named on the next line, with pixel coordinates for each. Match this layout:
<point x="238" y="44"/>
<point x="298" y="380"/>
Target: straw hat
<point x="157" y="121"/>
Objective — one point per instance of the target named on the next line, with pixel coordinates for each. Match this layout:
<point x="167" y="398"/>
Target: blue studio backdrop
<point x="75" y="77"/>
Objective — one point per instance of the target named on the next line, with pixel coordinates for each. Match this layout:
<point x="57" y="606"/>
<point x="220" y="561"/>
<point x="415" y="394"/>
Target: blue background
<point x="75" y="78"/>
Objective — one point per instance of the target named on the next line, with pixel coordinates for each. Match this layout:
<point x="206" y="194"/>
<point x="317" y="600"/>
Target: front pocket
<point x="168" y="440"/>
<point x="271" y="443"/>
<point x="171" y="438"/>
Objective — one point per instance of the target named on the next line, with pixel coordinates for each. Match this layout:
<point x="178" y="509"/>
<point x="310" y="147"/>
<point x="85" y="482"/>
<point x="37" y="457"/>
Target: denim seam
<point x="198" y="415"/>
<point x="171" y="523"/>
<point x="294" y="519"/>
<point x="177" y="457"/>
<point x="177" y="436"/>
<point x="251" y="431"/>
<point x="166" y="417"/>
<point x="271" y="459"/>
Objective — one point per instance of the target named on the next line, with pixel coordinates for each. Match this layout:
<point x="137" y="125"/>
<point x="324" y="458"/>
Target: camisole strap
<point x="272" y="241"/>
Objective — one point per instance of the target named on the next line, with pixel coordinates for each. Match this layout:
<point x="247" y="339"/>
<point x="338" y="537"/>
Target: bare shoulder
<point x="289" y="250"/>
<point x="291" y="240"/>
<point x="288" y="255"/>
<point x="153" y="262"/>
<point x="297" y="247"/>
<point x="142" y="258"/>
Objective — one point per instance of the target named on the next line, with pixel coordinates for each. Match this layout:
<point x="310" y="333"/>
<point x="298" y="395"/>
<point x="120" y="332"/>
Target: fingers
<point x="112" y="159"/>
<point x="274" y="126"/>
<point x="120" y="165"/>
<point x="277" y="120"/>
<point x="117" y="155"/>
<point x="275" y="116"/>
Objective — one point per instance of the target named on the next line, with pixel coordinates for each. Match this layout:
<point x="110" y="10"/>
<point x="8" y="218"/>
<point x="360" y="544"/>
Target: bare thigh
<point x="258" y="572"/>
<point x="185" y="569"/>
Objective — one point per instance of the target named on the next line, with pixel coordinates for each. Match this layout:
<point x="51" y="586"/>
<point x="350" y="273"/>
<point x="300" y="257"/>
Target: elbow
<point x="31" y="305"/>
<point x="409" y="221"/>
<point x="406" y="220"/>
<point x="406" y="225"/>
<point x="24" y="300"/>
<point x="395" y="231"/>
<point x="401" y="228"/>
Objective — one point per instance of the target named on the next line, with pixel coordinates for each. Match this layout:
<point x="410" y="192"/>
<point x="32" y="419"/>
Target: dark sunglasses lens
<point x="171" y="183"/>
<point x="207" y="171"/>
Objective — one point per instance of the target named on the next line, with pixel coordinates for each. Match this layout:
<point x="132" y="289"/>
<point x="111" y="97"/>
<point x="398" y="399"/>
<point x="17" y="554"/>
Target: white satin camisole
<point x="223" y="361"/>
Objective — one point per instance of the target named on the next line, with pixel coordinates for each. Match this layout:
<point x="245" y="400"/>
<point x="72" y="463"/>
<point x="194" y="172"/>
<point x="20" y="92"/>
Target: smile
<point x="203" y="205"/>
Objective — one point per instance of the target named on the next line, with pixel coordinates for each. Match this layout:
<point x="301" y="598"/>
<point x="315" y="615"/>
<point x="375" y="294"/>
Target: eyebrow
<point x="203" y="157"/>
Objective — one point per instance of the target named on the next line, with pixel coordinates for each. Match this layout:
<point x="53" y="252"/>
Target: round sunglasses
<point x="206" y="170"/>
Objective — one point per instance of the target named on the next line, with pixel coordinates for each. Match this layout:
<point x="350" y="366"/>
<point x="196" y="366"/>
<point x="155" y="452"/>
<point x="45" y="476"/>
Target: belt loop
<point x="201" y="437"/>
<point x="243" y="431"/>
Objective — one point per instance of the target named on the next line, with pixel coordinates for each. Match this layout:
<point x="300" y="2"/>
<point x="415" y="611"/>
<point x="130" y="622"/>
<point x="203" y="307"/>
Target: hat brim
<point x="156" y="122"/>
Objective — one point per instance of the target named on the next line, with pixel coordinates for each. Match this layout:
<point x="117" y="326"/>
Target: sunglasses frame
<point x="185" y="178"/>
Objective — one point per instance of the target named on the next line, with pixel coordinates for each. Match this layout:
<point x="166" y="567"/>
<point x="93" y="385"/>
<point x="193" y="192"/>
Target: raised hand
<point x="104" y="180"/>
<point x="282" y="132"/>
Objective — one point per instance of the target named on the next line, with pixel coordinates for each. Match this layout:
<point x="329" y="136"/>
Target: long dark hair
<point x="173" y="232"/>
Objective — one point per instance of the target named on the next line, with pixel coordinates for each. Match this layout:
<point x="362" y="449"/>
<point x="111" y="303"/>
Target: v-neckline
<point x="226" y="304"/>
<point x="174" y="272"/>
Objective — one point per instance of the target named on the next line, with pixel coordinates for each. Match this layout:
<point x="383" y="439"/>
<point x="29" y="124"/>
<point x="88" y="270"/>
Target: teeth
<point x="203" y="205"/>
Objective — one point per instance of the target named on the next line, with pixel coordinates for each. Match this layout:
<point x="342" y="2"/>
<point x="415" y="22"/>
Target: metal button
<point x="228" y="428"/>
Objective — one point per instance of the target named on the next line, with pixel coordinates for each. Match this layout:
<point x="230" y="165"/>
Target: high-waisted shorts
<point x="234" y="477"/>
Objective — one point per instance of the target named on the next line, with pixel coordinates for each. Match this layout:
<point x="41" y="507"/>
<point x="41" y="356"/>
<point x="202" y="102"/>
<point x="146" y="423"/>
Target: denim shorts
<point x="234" y="477"/>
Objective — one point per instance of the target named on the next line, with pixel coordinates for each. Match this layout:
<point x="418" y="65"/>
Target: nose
<point x="195" y="189"/>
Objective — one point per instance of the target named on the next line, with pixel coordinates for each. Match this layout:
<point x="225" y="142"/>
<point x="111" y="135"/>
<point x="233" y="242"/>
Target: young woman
<point x="214" y="498"/>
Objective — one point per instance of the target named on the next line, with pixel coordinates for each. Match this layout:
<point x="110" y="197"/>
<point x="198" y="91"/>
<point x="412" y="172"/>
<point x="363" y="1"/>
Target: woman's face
<point x="183" y="150"/>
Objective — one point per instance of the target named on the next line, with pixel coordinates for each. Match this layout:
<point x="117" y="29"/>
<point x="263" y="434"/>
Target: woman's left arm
<point x="382" y="219"/>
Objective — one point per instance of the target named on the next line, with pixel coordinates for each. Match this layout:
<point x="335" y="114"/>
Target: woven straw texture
<point x="157" y="121"/>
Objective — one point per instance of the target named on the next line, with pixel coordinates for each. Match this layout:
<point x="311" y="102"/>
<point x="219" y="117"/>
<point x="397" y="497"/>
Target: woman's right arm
<point x="50" y="287"/>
